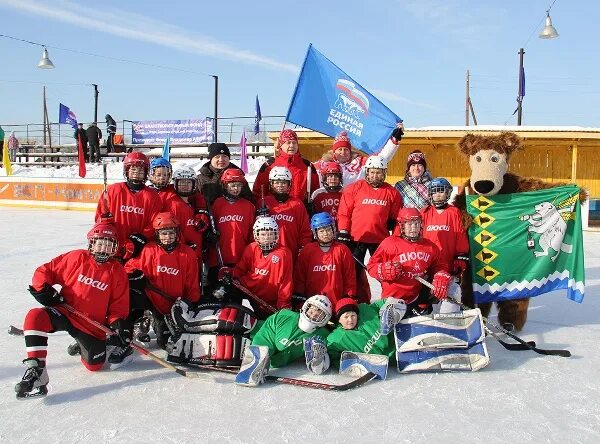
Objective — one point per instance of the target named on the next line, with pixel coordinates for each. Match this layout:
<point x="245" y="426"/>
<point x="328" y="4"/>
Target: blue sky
<point x="412" y="55"/>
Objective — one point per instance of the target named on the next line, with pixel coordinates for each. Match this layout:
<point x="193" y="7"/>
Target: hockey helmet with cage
<point x="439" y="185"/>
<point x="167" y="225"/>
<point x="280" y="173"/>
<point x="184" y="173"/>
<point x="135" y="158"/>
<point x="268" y="224"/>
<point x="315" y="312"/>
<point x="331" y="169"/>
<point x="160" y="162"/>
<point x="408" y="215"/>
<point x="103" y="241"/>
<point x="233" y="175"/>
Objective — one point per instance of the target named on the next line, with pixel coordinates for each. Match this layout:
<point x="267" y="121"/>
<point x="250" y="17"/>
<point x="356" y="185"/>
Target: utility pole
<point x="521" y="88"/>
<point x="216" y="104"/>
<point x="95" y="102"/>
<point x="46" y="122"/>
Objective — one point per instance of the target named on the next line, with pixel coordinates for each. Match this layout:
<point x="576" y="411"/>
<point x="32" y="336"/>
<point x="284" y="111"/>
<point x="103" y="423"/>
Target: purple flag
<point x="243" y="153"/>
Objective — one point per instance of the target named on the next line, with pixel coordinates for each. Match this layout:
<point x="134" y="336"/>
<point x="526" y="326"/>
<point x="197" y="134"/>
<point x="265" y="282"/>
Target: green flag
<point x="526" y="244"/>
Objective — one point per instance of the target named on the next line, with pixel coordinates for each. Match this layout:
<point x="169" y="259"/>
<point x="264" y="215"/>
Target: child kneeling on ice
<point x="287" y="336"/>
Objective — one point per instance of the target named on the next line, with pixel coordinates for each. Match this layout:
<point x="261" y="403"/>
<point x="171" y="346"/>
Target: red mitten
<point x="441" y="282"/>
<point x="389" y="271"/>
<point x="460" y="264"/>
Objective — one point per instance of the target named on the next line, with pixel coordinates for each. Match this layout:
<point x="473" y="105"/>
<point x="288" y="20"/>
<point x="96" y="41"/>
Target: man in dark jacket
<point x="209" y="176"/>
<point x="111" y="129"/>
<point x="80" y="134"/>
<point x="94" y="135"/>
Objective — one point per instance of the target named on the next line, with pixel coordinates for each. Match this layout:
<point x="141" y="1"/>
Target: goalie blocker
<point x="213" y="334"/>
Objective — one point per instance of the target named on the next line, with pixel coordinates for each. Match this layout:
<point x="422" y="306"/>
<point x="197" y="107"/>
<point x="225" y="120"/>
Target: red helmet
<point x="233" y="175"/>
<point x="104" y="230"/>
<point x="330" y="168"/>
<point x="165" y="220"/>
<point x="409" y="215"/>
<point x="135" y="158"/>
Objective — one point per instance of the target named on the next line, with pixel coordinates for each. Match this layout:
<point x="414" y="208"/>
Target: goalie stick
<point x="525" y="345"/>
<point x="299" y="382"/>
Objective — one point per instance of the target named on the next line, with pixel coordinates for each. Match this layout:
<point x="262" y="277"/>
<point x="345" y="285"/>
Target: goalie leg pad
<point x="315" y="352"/>
<point x="450" y="360"/>
<point x="255" y="366"/>
<point x="438" y="331"/>
<point x="359" y="364"/>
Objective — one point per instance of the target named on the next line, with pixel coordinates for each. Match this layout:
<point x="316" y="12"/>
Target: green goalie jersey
<point x="280" y="332"/>
<point x="365" y="338"/>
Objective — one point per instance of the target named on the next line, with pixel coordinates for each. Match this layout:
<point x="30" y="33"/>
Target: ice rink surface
<point x="521" y="397"/>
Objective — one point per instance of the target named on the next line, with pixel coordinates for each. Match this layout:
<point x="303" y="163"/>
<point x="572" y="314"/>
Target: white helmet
<point x="375" y="162"/>
<point x="280" y="173"/>
<point x="320" y="318"/>
<point x="266" y="223"/>
<point x="184" y="173"/>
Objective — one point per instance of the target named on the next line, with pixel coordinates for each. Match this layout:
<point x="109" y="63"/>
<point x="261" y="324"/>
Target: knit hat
<point x="341" y="140"/>
<point x="344" y="305"/>
<point x="414" y="158"/>
<point x="285" y="136"/>
<point x="215" y="149"/>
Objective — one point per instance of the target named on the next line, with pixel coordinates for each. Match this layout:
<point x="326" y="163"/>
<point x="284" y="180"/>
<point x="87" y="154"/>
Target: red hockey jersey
<point x="175" y="273"/>
<point x="184" y="213"/>
<point x="133" y="212"/>
<point x="100" y="291"/>
<point x="446" y="231"/>
<point x="294" y="226"/>
<point x="268" y="277"/>
<point x="326" y="201"/>
<point x="234" y="220"/>
<point x="416" y="258"/>
<point x="364" y="211"/>
<point x="331" y="273"/>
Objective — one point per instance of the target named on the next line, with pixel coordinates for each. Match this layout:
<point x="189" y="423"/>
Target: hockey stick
<point x="265" y="306"/>
<point x="135" y="346"/>
<point x="213" y="227"/>
<point x="526" y="345"/>
<point x="299" y="382"/>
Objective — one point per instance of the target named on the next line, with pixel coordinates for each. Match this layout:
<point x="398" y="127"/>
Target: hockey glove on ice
<point x="47" y="296"/>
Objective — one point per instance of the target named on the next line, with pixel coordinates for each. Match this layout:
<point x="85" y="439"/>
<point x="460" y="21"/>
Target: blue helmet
<point x="439" y="185"/>
<point x="159" y="162"/>
<point x="321" y="220"/>
<point x="163" y="181"/>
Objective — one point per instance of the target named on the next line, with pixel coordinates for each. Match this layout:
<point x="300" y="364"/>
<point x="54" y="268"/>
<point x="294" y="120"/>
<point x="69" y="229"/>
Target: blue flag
<point x="329" y="101"/>
<point x="167" y="149"/>
<point x="257" y="117"/>
<point x="65" y="115"/>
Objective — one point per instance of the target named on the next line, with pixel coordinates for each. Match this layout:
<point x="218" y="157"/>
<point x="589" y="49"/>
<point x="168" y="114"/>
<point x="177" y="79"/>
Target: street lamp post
<point x="521" y="87"/>
<point x="95" y="102"/>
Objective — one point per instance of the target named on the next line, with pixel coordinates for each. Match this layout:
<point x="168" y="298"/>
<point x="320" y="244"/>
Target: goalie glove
<point x="390" y="314"/>
<point x="315" y="352"/>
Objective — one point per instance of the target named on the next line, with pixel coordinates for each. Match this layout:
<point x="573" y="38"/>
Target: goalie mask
<point x="410" y="223"/>
<point x="233" y="181"/>
<point x="323" y="228"/>
<point x="315" y="312"/>
<point x="166" y="228"/>
<point x="331" y="177"/>
<point x="280" y="183"/>
<point x="375" y="171"/>
<point x="266" y="233"/>
<point x="160" y="172"/>
<point x="439" y="192"/>
<point x="135" y="169"/>
<point x="102" y="241"/>
<point x="184" y="181"/>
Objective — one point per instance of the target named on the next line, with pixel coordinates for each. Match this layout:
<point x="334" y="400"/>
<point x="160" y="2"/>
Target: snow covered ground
<point x="520" y="397"/>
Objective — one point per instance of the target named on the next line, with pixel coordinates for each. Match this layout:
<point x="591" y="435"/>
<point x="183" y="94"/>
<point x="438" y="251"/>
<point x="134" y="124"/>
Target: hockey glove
<point x="123" y="334"/>
<point x="397" y="134"/>
<point x="137" y="280"/>
<point x="460" y="264"/>
<point x="344" y="237"/>
<point x="134" y="245"/>
<point x="389" y="271"/>
<point x="441" y="282"/>
<point x="47" y="296"/>
<point x="315" y="352"/>
<point x="201" y="220"/>
<point x="212" y="236"/>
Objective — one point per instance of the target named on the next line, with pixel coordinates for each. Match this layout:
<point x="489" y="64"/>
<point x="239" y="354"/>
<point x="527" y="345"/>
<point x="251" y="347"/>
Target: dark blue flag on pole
<point x="65" y="115"/>
<point x="167" y="149"/>
<point x="329" y="101"/>
<point x="257" y="117"/>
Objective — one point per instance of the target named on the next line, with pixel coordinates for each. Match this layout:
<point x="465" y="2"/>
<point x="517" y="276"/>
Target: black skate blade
<point x="15" y="331"/>
<point x="38" y="392"/>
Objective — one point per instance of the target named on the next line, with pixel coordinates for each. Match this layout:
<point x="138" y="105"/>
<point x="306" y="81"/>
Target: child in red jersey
<point x="93" y="283"/>
<point x="327" y="198"/>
